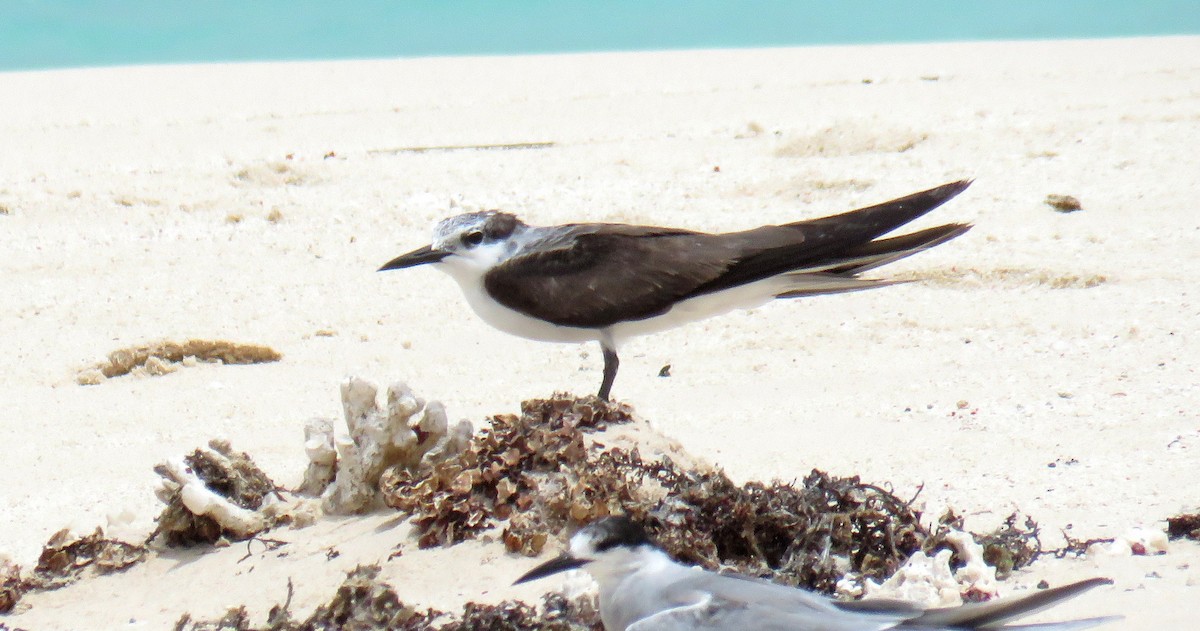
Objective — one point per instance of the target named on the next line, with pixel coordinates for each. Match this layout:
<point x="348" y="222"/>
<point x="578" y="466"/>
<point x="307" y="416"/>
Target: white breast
<point x="468" y="273"/>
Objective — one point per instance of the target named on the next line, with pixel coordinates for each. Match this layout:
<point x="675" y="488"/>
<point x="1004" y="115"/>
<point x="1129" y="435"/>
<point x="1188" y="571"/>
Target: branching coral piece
<point x="406" y="433"/>
<point x="322" y="457"/>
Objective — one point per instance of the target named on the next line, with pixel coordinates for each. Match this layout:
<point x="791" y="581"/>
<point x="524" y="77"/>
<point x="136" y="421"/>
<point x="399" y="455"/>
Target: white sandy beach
<point x="253" y="202"/>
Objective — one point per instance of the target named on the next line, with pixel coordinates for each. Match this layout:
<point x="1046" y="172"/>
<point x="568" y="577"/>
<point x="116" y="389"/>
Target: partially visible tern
<point x="642" y="589"/>
<point x="608" y="282"/>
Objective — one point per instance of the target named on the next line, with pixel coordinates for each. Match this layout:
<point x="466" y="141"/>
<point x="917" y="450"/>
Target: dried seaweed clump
<point x="1184" y="526"/>
<point x="557" y="613"/>
<point x="364" y="602"/>
<point x="809" y="534"/>
<point x="538" y="472"/>
<point x="543" y="473"/>
<point x="496" y="475"/>
<point x="610" y="482"/>
<point x="212" y="493"/>
<point x="161" y="358"/>
<point x="11" y="585"/>
<point x="65" y="559"/>
<point x="1012" y="546"/>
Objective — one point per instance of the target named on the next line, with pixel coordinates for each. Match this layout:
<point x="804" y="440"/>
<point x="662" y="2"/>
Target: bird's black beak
<point x="419" y="256"/>
<point x="561" y="563"/>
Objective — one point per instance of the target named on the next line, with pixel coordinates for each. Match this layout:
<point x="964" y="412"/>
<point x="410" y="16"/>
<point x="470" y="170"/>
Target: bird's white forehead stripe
<point x="451" y="227"/>
<point x="583" y="544"/>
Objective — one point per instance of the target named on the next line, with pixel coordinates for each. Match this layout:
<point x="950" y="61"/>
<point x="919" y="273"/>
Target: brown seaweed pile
<point x="497" y="476"/>
<point x="808" y="534"/>
<point x="540" y="472"/>
<point x="161" y="358"/>
<point x="558" y="502"/>
<point x="548" y="471"/>
<point x="65" y="559"/>
<point x="364" y="602"/>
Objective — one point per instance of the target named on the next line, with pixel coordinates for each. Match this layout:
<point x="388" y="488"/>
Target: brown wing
<point x="595" y="275"/>
<point x="600" y="275"/>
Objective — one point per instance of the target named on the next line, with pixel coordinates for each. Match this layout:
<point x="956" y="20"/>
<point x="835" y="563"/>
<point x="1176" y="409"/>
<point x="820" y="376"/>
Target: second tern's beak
<point x="419" y="256"/>
<point x="560" y="563"/>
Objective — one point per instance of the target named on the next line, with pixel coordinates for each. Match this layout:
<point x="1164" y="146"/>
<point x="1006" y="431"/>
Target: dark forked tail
<point x="864" y="224"/>
<point x="995" y="614"/>
<point x="832" y="250"/>
<point x="852" y="234"/>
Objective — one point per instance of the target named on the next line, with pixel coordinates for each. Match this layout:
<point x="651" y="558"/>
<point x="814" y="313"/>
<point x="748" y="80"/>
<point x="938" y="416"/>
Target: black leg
<point x="610" y="371"/>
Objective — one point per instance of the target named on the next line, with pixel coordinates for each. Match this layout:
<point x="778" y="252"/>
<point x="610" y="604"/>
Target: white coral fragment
<point x="975" y="576"/>
<point x="200" y="500"/>
<point x="1134" y="542"/>
<point x="924" y="580"/>
<point x="406" y="431"/>
<point x="930" y="582"/>
<point x="322" y="456"/>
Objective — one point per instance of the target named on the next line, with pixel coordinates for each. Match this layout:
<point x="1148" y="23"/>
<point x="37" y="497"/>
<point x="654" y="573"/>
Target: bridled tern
<point x="609" y="282"/>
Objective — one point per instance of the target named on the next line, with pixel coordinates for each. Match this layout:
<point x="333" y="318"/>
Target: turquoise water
<point x="67" y="33"/>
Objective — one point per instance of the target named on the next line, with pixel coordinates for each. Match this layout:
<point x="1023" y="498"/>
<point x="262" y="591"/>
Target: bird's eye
<point x="472" y="238"/>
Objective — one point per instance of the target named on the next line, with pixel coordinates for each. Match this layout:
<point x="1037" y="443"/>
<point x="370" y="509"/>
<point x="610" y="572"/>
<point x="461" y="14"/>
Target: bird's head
<point x="606" y="546"/>
<point x="472" y="241"/>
